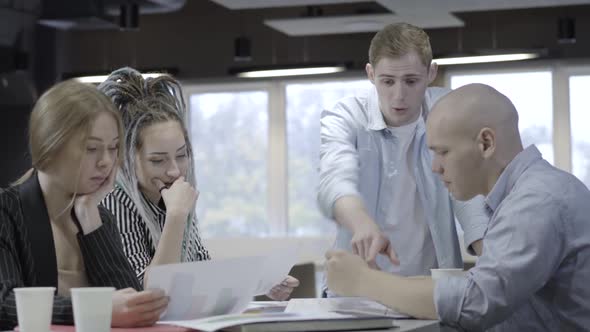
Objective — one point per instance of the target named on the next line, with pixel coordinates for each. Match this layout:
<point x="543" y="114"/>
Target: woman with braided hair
<point x="155" y="192"/>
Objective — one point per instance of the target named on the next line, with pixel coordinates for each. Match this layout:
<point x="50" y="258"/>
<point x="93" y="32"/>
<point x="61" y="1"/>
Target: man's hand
<point x="368" y="241"/>
<point x="349" y="275"/>
<point x="136" y="309"/>
<point x="282" y="291"/>
<point x="345" y="272"/>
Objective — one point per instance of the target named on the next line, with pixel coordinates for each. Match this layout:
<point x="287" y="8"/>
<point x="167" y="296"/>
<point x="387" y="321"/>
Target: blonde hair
<point x="397" y="40"/>
<point x="142" y="103"/>
<point x="64" y="112"/>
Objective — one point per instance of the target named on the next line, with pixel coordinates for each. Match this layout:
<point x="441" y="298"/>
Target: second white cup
<point x="92" y="308"/>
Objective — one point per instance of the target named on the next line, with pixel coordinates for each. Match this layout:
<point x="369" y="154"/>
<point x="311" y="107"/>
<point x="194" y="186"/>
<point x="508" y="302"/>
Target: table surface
<point x="403" y="325"/>
<point x="416" y="325"/>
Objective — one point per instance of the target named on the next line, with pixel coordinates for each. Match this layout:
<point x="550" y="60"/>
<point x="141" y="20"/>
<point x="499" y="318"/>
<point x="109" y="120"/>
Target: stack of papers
<point x="278" y="322"/>
<point x="350" y="305"/>
<point x="334" y="314"/>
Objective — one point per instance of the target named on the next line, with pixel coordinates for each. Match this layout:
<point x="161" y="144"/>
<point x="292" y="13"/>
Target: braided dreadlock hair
<point x="144" y="102"/>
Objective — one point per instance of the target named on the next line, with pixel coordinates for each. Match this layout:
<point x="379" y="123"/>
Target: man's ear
<point x="432" y="71"/>
<point x="370" y="72"/>
<point x="486" y="141"/>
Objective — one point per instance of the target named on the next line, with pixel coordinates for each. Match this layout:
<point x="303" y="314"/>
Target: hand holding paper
<point x="223" y="286"/>
<point x="282" y="291"/>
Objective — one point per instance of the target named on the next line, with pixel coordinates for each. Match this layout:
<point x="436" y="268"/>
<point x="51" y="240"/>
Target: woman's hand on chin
<point x="86" y="205"/>
<point x="180" y="198"/>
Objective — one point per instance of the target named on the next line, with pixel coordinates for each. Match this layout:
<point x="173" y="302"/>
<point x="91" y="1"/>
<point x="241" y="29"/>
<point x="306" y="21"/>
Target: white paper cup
<point x="438" y="273"/>
<point x="92" y="308"/>
<point x="34" y="308"/>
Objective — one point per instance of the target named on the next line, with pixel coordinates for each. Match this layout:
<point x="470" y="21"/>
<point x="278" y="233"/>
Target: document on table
<point x="352" y="305"/>
<point x="286" y="322"/>
<point x="218" y="287"/>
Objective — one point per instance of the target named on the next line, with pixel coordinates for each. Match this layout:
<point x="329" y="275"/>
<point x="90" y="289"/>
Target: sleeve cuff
<point x="472" y="234"/>
<point x="92" y="238"/>
<point x="449" y="293"/>
<point x="473" y="219"/>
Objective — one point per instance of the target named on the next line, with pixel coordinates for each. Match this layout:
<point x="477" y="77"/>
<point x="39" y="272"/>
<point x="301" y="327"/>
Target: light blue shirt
<point x="358" y="152"/>
<point x="534" y="274"/>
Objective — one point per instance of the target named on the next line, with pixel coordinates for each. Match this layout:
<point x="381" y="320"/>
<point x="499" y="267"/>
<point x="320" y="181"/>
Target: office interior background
<point x="256" y="140"/>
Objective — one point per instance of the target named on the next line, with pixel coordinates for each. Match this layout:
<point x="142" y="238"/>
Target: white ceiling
<point x="422" y="13"/>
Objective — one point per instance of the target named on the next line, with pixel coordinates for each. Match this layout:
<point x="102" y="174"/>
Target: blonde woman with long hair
<point x="155" y="193"/>
<point x="52" y="231"/>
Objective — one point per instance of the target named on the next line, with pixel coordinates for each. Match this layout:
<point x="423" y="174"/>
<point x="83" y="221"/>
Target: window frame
<point x="282" y="85"/>
<point x="576" y="69"/>
<point x="560" y="119"/>
<point x="277" y="156"/>
<point x="275" y="199"/>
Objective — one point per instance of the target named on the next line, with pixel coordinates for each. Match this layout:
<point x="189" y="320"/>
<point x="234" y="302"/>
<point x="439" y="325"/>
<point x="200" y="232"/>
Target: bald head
<point x="480" y="125"/>
<point x="473" y="107"/>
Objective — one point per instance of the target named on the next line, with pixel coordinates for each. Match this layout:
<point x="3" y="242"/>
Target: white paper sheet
<point x="219" y="287"/>
<point x="207" y="288"/>
<point x="342" y="305"/>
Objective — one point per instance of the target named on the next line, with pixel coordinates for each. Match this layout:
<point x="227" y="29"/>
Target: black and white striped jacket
<point x="27" y="252"/>
<point x="135" y="234"/>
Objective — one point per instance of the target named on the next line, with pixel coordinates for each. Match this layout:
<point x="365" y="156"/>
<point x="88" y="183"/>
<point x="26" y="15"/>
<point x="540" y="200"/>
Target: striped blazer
<point x="135" y="234"/>
<point x="27" y="252"/>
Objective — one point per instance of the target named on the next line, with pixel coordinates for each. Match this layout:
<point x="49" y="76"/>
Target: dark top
<point x="27" y="252"/>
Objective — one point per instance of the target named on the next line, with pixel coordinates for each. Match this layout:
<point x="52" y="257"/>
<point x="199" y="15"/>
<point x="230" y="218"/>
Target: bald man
<point x="534" y="272"/>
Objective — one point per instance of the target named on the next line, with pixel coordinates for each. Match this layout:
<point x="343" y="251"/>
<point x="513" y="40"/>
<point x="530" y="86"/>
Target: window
<point x="305" y="102"/>
<point x="229" y="135"/>
<point x="580" y="122"/>
<point x="532" y="95"/>
<point x="257" y="180"/>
